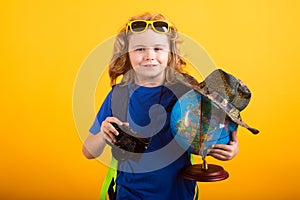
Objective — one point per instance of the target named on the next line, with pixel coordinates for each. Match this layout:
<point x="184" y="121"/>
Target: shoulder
<point x="118" y="90"/>
<point x="178" y="88"/>
<point x="119" y="86"/>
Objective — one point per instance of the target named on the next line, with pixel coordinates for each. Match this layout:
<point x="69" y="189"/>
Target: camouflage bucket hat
<point x="227" y="92"/>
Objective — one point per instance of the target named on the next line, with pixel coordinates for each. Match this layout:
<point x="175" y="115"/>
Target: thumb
<point x="234" y="137"/>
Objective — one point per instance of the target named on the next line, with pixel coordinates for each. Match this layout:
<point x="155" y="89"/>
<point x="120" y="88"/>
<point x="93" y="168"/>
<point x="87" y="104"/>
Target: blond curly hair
<point x="120" y="63"/>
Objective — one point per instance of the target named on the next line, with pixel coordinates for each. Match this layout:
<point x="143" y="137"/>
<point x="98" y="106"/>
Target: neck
<point x="150" y="82"/>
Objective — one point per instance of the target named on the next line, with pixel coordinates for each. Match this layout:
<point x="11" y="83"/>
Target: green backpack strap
<point x="119" y="110"/>
<point x="110" y="176"/>
<point x="197" y="188"/>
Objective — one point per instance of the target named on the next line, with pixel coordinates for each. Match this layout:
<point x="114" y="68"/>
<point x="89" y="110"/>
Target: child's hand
<point x="108" y="131"/>
<point x="225" y="152"/>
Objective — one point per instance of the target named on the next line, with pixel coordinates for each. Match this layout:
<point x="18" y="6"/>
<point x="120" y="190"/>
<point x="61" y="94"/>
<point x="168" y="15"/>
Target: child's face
<point x="148" y="54"/>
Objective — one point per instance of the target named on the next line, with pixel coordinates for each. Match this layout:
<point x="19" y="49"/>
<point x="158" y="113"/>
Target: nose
<point x="149" y="54"/>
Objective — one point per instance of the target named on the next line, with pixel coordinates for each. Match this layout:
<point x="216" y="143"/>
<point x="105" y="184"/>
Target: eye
<point x="140" y="49"/>
<point x="158" y="49"/>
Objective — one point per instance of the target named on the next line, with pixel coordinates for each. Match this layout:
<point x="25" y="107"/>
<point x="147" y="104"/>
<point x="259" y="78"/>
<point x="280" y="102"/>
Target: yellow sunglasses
<point x="139" y="26"/>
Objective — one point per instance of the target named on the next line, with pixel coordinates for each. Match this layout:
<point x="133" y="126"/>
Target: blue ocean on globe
<point x="185" y="123"/>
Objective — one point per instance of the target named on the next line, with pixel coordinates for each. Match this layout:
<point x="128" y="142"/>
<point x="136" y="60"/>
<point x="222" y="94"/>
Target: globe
<point x="197" y="123"/>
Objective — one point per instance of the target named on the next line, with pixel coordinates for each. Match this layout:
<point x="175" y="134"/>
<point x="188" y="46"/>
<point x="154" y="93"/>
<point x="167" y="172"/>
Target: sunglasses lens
<point x="161" y="26"/>
<point x="138" y="26"/>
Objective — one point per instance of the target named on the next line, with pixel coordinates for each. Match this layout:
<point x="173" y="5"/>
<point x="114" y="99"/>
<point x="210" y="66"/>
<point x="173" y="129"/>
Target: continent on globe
<point x="197" y="123"/>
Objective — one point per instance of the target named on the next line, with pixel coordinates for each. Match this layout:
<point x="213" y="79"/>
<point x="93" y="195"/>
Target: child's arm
<point x="226" y="152"/>
<point x="94" y="144"/>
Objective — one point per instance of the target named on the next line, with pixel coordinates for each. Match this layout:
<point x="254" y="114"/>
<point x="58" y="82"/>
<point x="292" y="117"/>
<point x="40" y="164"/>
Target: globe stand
<point x="205" y="172"/>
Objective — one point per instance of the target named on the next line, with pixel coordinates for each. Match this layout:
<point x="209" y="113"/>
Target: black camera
<point x="129" y="144"/>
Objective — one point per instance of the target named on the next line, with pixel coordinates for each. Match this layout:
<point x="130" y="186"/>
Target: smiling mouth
<point x="150" y="65"/>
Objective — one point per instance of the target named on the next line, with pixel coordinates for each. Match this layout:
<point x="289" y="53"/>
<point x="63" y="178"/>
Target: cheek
<point x="134" y="59"/>
<point x="164" y="58"/>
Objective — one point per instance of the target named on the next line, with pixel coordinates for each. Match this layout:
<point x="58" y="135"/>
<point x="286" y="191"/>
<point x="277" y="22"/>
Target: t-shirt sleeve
<point x="103" y="113"/>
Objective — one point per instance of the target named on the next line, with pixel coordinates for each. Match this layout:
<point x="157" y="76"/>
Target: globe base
<point x="211" y="174"/>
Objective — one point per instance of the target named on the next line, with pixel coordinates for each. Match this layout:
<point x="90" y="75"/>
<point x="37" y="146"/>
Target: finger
<point x="108" y="135"/>
<point x="114" y="120"/>
<point x="222" y="147"/>
<point x="108" y="131"/>
<point x="112" y="129"/>
<point x="107" y="124"/>
<point x="219" y="152"/>
<point x="224" y="154"/>
<point x="219" y="156"/>
<point x="234" y="136"/>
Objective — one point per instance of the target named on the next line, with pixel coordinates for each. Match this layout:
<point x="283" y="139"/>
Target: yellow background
<point x="44" y="43"/>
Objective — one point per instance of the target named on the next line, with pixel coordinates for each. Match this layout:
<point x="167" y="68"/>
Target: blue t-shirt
<point x="157" y="174"/>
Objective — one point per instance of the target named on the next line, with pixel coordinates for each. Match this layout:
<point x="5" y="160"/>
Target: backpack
<point x="119" y="110"/>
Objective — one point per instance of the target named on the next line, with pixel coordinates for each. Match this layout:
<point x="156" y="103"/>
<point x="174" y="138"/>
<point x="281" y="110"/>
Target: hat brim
<point x="196" y="86"/>
<point x="233" y="115"/>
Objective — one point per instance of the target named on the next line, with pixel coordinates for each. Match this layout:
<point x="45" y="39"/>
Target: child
<point x="146" y="53"/>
